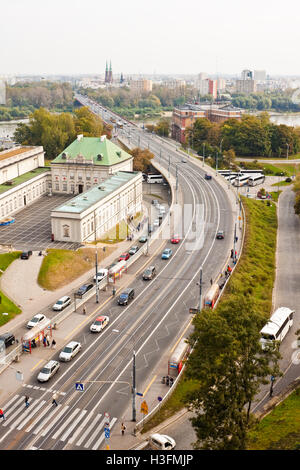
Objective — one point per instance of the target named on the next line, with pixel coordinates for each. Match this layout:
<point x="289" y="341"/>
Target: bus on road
<point x="155" y="179"/>
<point x="277" y="327"/>
<point x="177" y="357"/>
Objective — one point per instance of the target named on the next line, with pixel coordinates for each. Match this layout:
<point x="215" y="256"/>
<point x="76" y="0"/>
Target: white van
<point x="161" y="442"/>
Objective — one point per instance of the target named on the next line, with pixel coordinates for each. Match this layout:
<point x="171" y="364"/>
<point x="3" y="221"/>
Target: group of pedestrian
<point x="46" y="342"/>
<point x="26" y="401"/>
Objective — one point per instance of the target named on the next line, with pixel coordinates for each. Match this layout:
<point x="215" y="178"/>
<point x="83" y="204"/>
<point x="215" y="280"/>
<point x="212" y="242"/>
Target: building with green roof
<point x="86" y="162"/>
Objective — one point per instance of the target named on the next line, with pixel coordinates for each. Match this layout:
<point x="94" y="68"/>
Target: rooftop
<point x="13" y="152"/>
<point x="94" y="150"/>
<point x="22" y="178"/>
<point x="83" y="201"/>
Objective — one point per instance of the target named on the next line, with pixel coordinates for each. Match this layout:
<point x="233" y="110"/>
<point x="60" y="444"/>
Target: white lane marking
<point x="78" y="443"/>
<point x="97" y="444"/>
<point x="33" y="412"/>
<point x="39" y="417"/>
<point x="11" y="401"/>
<point x="62" y="411"/>
<point x="11" y="418"/>
<point x="93" y="436"/>
<point x="65" y="424"/>
<point x="68" y="432"/>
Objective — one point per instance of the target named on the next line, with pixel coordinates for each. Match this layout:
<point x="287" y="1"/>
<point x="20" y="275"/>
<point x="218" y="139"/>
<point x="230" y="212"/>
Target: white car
<point x="36" y="320"/>
<point x="62" y="303"/>
<point x="101" y="274"/>
<point x="162" y="210"/>
<point x="48" y="371"/>
<point x="69" y="351"/>
<point x="99" y="324"/>
<point x="156" y="223"/>
<point x="161" y="442"/>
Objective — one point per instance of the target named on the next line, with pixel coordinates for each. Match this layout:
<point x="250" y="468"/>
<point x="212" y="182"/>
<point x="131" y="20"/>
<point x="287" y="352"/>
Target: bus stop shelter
<point x="34" y="338"/>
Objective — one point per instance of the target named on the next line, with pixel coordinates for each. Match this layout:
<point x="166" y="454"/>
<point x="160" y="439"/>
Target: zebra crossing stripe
<point x="60" y="430"/>
<point x="24" y="412"/>
<point x="93" y="436"/>
<point x="97" y="444"/>
<point x="11" y="401"/>
<point x="79" y="442"/>
<point x="62" y="411"/>
<point x="12" y="417"/>
<point x="68" y="432"/>
<point x="33" y="412"/>
<point x="80" y="428"/>
<point x="39" y="417"/>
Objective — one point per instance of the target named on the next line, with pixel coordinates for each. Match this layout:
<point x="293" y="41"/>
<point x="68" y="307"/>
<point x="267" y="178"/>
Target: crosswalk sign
<point x="107" y="433"/>
<point x="79" y="387"/>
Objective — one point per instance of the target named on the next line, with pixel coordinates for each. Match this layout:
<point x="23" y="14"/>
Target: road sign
<point x="79" y="387"/>
<point x="107" y="433"/>
<point x="144" y="408"/>
<point x="107" y="418"/>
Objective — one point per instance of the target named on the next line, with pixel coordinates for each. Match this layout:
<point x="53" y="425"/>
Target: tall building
<point x="208" y="87"/>
<point x="247" y="84"/>
<point x="260" y="75"/>
<point x="2" y="92"/>
<point x="141" y="85"/>
<point x="247" y="75"/>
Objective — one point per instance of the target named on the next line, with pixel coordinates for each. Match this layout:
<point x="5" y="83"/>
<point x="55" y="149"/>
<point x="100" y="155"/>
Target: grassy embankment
<point x="254" y="274"/>
<point x="279" y="430"/>
<point x="7" y="306"/>
<point x="60" y="267"/>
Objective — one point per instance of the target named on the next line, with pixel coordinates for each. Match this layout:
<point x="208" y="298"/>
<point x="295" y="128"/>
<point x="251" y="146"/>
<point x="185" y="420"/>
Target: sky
<point x="146" y="37"/>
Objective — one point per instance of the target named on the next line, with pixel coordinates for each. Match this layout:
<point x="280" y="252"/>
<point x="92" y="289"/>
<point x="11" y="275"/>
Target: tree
<point x="229" y="365"/>
<point x="141" y="159"/>
<point x="163" y="127"/>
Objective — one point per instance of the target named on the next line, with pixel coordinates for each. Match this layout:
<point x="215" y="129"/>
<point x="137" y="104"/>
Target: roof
<point x="96" y="150"/>
<point x="14" y="152"/>
<point x="23" y="178"/>
<point x="87" y="199"/>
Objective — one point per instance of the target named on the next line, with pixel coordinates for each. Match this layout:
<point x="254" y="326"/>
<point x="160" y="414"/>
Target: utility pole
<point x="203" y="145"/>
<point x="97" y="287"/>
<point x="176" y="182"/>
<point x="200" y="290"/>
<point x="133" y="388"/>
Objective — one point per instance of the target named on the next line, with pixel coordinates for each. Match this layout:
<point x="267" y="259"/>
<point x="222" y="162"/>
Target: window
<point x="73" y="188"/>
<point x="56" y="187"/>
<point x="66" y="230"/>
<point x="65" y="187"/>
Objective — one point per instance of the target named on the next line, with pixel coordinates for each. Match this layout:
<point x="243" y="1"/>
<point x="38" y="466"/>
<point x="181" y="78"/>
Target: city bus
<point x="155" y="179"/>
<point x="231" y="178"/>
<point x="277" y="327"/>
<point x="241" y="180"/>
<point x="256" y="179"/>
<point x="177" y="357"/>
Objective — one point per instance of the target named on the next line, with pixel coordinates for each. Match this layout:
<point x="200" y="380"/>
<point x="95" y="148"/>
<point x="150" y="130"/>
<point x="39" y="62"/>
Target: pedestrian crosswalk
<point x="77" y="427"/>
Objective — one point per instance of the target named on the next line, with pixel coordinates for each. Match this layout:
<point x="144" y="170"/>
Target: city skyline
<point x="67" y="38"/>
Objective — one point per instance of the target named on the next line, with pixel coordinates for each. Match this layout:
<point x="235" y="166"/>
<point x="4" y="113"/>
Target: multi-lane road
<point x="148" y="325"/>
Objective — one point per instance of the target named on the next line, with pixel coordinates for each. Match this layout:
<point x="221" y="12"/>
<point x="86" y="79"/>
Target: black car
<point x="149" y="273"/>
<point x="8" y="339"/>
<point x="126" y="296"/>
<point x="26" y="254"/>
<point x="207" y="177"/>
<point x="84" y="289"/>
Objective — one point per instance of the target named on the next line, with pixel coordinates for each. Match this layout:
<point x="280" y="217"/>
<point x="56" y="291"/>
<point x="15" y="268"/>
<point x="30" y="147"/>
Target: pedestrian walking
<point x="114" y="291"/>
<point x="47" y="340"/>
<point x="123" y="428"/>
<point x="84" y="310"/>
<point x="44" y="341"/>
<point x="2" y="414"/>
<point x="26" y="401"/>
<point x="53" y="346"/>
<point x="54" y="398"/>
<point x="231" y="255"/>
<point x="211" y="282"/>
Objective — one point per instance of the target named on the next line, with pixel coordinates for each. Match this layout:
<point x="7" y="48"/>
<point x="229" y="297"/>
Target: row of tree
<point x="56" y="131"/>
<point x="250" y="136"/>
<point x="279" y="101"/>
<point x="50" y="95"/>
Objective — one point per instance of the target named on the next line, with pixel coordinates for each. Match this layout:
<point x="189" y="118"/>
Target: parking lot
<point x="32" y="227"/>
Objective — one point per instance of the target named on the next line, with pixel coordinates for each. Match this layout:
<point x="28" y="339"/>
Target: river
<point x="287" y="119"/>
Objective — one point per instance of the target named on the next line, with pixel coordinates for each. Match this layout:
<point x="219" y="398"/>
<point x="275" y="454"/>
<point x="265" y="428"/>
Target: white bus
<point x="277" y="327"/>
<point x="155" y="179"/>
<point x="231" y="178"/>
<point x="241" y="180"/>
<point x="256" y="179"/>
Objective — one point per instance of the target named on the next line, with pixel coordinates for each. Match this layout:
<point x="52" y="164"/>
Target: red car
<point x="175" y="239"/>
<point x="124" y="257"/>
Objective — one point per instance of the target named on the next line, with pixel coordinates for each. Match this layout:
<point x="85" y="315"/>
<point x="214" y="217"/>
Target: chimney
<point x="79" y="137"/>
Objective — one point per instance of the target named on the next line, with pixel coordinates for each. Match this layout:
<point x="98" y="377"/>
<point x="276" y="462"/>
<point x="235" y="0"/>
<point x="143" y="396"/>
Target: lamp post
<point x="200" y="290"/>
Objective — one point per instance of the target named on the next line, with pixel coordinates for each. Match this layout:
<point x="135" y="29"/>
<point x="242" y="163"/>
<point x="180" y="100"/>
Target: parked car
<point x="26" y="254"/>
<point x="176" y="239"/>
<point x="143" y="239"/>
<point x="183" y="160"/>
<point x="126" y="296"/>
<point x="101" y="274"/>
<point x="48" y="371"/>
<point x="220" y="234"/>
<point x="133" y="250"/>
<point x="124" y="257"/>
<point x="69" y="351"/>
<point x="36" y="320"/>
<point x="149" y="273"/>
<point x="99" y="324"/>
<point x="161" y="442"/>
<point x="156" y="223"/>
<point x="167" y="253"/>
<point x="6" y="339"/>
<point x="84" y="289"/>
<point x="207" y="177"/>
<point x="154" y="201"/>
<point x="62" y="303"/>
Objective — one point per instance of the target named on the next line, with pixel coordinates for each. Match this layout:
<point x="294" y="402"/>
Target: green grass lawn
<point x="7" y="306"/>
<point x="279" y="430"/>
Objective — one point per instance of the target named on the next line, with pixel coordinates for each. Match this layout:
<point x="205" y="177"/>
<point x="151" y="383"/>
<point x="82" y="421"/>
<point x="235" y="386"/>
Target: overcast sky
<point x="161" y="36"/>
